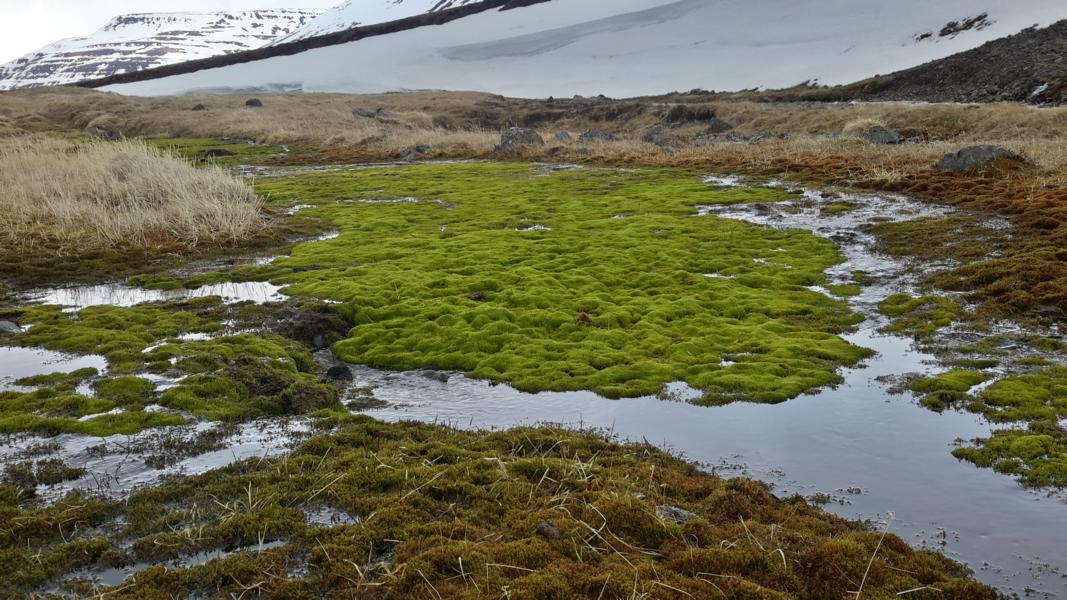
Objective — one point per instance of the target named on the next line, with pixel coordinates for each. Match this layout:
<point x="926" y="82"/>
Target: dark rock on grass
<point x="879" y="135"/>
<point x="515" y="140"/>
<point x="9" y="327"/>
<point x="977" y="157"/>
<point x="339" y="373"/>
<point x="216" y="152"/>
<point x="547" y="530"/>
<point x="682" y="114"/>
<point x="199" y="108"/>
<point x="413" y="152"/>
<point x="254" y="103"/>
<point x="366" y="113"/>
<point x="433" y="375"/>
<point x="717" y="125"/>
<point x="596" y="135"/>
<point x="674" y="514"/>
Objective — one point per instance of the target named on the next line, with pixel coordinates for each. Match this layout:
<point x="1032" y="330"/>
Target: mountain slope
<point x="357" y="13"/>
<point x="636" y="47"/>
<point x="141" y="41"/>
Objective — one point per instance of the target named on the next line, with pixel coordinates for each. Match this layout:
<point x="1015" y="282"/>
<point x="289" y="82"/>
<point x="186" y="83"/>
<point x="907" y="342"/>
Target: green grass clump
<point x="837" y="208"/>
<point x="512" y="275"/>
<point x="233" y="152"/>
<point x="921" y="316"/>
<point x="525" y="514"/>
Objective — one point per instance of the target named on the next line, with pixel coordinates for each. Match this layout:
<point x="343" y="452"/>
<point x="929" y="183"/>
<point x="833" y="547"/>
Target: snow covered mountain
<point x="635" y="47"/>
<point x="357" y="13"/>
<point x="141" y="41"/>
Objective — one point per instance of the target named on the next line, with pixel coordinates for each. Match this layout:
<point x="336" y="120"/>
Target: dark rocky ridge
<point x="438" y="17"/>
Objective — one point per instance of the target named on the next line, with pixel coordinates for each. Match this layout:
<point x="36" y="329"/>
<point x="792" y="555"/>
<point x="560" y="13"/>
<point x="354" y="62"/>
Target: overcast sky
<point x="26" y="25"/>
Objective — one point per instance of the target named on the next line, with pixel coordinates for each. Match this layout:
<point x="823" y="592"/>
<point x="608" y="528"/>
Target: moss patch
<point x="217" y="151"/>
<point x="226" y="378"/>
<point x="431" y="512"/>
<point x="569" y="280"/>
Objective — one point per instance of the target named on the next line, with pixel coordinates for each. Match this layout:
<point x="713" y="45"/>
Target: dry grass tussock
<point x="112" y="194"/>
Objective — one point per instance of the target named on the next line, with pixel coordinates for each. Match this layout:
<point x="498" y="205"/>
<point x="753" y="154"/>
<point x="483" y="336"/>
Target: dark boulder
<point x="515" y="140"/>
<point x="717" y="125"/>
<point x="877" y="134"/>
<point x="254" y="103"/>
<point x="9" y="327"/>
<point x="977" y="157"/>
<point x="413" y="152"/>
<point x="339" y="373"/>
<point x="199" y="107"/>
<point x="596" y="135"/>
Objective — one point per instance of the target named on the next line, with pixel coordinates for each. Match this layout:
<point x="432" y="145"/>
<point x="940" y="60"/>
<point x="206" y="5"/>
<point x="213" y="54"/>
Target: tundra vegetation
<point x="547" y="279"/>
<point x="419" y="511"/>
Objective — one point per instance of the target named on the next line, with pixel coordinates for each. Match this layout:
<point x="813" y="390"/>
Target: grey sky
<point x="26" y="25"/>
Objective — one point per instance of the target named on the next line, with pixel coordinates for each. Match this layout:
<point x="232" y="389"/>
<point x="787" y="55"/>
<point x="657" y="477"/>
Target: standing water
<point x="864" y="451"/>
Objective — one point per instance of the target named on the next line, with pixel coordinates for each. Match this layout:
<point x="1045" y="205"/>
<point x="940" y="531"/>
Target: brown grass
<point x="107" y="194"/>
<point x="811" y="142"/>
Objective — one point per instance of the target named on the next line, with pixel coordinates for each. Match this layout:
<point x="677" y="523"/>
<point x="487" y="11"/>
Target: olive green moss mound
<point x="417" y="511"/>
<point x="236" y="377"/>
<point x="1036" y="453"/>
<point x="569" y="280"/>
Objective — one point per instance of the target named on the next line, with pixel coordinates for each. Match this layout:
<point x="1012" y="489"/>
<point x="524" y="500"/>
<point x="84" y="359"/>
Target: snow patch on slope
<point x="634" y="47"/>
<point x="141" y="41"/>
<point x="360" y="13"/>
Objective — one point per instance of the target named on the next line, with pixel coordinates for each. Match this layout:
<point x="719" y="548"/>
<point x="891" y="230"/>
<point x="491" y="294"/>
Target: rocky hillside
<point x="1030" y="66"/>
<point x="142" y="41"/>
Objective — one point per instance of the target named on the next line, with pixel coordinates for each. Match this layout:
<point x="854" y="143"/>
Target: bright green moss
<point x="119" y="334"/>
<point x="1037" y="396"/>
<point x="1037" y="455"/>
<point x="225" y="152"/>
<point x="837" y="208"/>
<point x="845" y="290"/>
<point x="922" y="316"/>
<point x="512" y="275"/>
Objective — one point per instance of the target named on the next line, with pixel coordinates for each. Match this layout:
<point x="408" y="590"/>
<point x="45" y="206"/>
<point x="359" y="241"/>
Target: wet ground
<point x="863" y="451"/>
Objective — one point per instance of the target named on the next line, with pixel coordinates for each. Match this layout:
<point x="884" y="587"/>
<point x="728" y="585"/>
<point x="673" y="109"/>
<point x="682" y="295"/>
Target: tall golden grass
<point x="108" y="194"/>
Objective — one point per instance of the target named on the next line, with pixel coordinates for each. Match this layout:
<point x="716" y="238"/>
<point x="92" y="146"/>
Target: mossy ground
<point x="430" y="512"/>
<point x="234" y="377"/>
<point x="218" y="151"/>
<point x="557" y="280"/>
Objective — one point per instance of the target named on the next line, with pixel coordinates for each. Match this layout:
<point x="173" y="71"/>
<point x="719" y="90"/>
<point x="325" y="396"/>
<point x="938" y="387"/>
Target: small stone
<point x="974" y="157"/>
<point x="254" y="103"/>
<point x="547" y="530"/>
<point x="879" y="135"/>
<point x="199" y="107"/>
<point x="440" y="376"/>
<point x="717" y="125"/>
<point x="674" y="514"/>
<point x="339" y="373"/>
<point x="596" y="135"/>
<point x="9" y="327"/>
<point x="413" y="152"/>
<point x="217" y="152"/>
